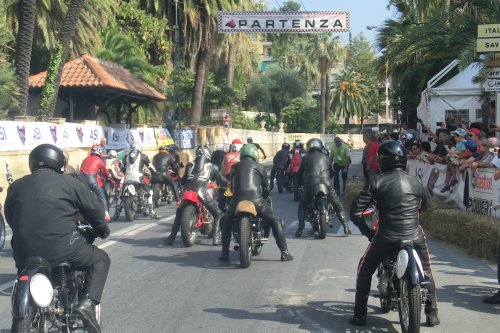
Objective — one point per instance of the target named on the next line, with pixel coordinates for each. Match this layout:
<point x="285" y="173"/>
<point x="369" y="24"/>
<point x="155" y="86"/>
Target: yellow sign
<point x="488" y="31"/>
<point x="488" y="45"/>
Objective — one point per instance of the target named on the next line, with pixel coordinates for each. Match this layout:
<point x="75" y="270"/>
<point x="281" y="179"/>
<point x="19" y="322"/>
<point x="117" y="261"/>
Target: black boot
<point x="495" y="299"/>
<point x="286" y="256"/>
<point x="302" y="218"/>
<point x="343" y="220"/>
<point x="358" y="320"/>
<point x="86" y="310"/>
<point x="170" y="239"/>
<point x="431" y="317"/>
<point x="224" y="255"/>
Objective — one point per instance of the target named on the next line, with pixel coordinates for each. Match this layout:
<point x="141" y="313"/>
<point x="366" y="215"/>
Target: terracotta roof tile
<point x="90" y="72"/>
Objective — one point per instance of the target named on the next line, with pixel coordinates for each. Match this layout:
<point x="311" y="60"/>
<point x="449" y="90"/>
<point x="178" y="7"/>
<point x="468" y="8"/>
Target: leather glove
<point x="370" y="234"/>
<point x="103" y="233"/>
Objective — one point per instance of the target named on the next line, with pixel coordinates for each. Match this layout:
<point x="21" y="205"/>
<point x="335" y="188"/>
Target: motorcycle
<point x="249" y="232"/>
<point x="111" y="188"/>
<point x="2" y="226"/>
<point x="195" y="218"/>
<point x="163" y="192"/>
<point x="134" y="200"/>
<point x="402" y="284"/>
<point x="317" y="210"/>
<point x="43" y="299"/>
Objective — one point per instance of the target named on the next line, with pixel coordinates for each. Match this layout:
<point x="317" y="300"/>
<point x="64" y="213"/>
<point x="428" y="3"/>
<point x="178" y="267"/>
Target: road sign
<point x="488" y="38"/>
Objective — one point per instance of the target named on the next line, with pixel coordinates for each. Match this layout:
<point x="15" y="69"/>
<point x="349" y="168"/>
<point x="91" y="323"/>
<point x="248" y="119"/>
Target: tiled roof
<point x="90" y="72"/>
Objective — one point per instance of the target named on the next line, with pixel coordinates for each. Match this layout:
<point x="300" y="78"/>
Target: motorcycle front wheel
<point x="410" y="306"/>
<point x="188" y="221"/>
<point x="2" y="232"/>
<point x="130" y="209"/>
<point x="245" y="241"/>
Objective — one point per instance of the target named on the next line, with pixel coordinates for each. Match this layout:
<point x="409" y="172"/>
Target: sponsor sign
<point x="488" y="38"/>
<point x="274" y="21"/>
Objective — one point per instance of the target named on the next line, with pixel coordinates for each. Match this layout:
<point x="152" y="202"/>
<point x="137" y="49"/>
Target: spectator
<point x="364" y="159"/>
<point x="250" y="140"/>
<point x="372" y="164"/>
<point x="464" y="148"/>
<point x="491" y="160"/>
<point x="340" y="161"/>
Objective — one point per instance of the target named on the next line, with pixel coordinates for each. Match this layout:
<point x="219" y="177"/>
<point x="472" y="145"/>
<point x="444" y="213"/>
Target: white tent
<point x="459" y="97"/>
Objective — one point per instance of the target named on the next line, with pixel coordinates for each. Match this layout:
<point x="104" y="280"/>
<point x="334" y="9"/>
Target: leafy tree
<point x="8" y="86"/>
<point x="300" y="116"/>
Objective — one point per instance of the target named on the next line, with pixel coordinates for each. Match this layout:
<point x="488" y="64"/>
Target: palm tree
<point x="58" y="58"/>
<point x="24" y="42"/>
<point x="350" y="96"/>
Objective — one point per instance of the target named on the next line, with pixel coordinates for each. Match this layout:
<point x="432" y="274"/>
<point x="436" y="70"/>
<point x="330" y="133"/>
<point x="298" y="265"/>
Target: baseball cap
<point x="475" y="131"/>
<point x="460" y="132"/>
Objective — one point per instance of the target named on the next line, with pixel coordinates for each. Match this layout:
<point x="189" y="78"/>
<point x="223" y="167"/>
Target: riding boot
<point x="302" y="218"/>
<point x="152" y="213"/>
<point x="431" y="317"/>
<point x="224" y="256"/>
<point x="343" y="220"/>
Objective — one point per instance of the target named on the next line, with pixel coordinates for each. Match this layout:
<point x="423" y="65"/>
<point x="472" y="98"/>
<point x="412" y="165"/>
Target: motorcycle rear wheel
<point x="245" y="242"/>
<point x="2" y="232"/>
<point x="322" y="224"/>
<point x="157" y="195"/>
<point x="188" y="221"/>
<point x="108" y="190"/>
<point x="130" y="209"/>
<point x="169" y="195"/>
<point x="410" y="306"/>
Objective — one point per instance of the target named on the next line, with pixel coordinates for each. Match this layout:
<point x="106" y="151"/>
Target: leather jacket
<point x="249" y="181"/>
<point x="162" y="162"/>
<point x="398" y="198"/>
<point x="281" y="160"/>
<point x="199" y="173"/>
<point x="315" y="169"/>
<point x="94" y="165"/>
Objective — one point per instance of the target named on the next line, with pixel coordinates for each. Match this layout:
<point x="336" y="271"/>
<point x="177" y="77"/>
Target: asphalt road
<point x="156" y="288"/>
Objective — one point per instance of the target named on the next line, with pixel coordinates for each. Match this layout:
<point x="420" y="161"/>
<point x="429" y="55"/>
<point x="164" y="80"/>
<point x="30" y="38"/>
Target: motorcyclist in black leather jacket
<point x="196" y="178"/>
<point x="41" y="210"/>
<point x="398" y="198"/>
<point x="162" y="162"/>
<point x="315" y="168"/>
<point x="249" y="181"/>
<point x="280" y="162"/>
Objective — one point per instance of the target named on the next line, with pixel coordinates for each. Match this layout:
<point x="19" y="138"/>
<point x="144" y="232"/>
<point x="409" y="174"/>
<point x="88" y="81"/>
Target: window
<point x="453" y="117"/>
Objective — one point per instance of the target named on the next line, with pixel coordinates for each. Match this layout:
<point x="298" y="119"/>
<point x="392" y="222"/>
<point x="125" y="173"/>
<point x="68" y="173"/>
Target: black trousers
<point x="374" y="255"/>
<point x="336" y="177"/>
<point x="333" y="199"/>
<point x="266" y="212"/>
<point x="164" y="178"/>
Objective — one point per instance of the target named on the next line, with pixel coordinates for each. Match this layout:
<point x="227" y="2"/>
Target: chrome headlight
<point x="41" y="290"/>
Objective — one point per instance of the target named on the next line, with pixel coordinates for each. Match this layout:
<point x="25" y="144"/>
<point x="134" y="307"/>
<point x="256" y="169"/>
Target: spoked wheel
<point x="169" y="194"/>
<point x="385" y="305"/>
<point x="130" y="208"/>
<point x="156" y="195"/>
<point x="2" y="232"/>
<point x="409" y="307"/>
<point x="32" y="322"/>
<point x="188" y="228"/>
<point x="245" y="242"/>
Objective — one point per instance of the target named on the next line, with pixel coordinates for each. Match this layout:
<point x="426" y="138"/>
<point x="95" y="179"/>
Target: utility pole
<point x="177" y="112"/>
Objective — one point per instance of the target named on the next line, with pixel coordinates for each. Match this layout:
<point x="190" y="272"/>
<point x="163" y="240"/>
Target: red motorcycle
<point x="195" y="217"/>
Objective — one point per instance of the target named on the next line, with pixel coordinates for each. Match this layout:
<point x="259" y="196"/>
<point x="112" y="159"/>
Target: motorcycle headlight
<point x="41" y="290"/>
<point x="131" y="189"/>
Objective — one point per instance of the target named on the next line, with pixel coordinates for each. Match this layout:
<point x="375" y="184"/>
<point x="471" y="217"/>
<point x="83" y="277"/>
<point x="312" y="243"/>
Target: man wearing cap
<point x="340" y="160"/>
<point x="250" y="140"/>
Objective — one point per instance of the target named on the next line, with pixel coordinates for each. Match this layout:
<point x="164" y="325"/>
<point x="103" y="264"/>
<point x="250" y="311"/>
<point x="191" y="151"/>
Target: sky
<point x="361" y="13"/>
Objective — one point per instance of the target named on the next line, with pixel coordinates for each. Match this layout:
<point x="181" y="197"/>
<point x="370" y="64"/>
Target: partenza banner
<point x="303" y="22"/>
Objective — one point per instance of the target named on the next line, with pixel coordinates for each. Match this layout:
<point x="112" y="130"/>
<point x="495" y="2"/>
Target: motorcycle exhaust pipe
<point x="236" y="247"/>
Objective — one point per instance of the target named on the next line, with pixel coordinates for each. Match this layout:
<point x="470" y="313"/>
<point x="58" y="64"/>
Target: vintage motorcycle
<point x="402" y="284"/>
<point x="43" y="299"/>
<point x="134" y="200"/>
<point x="2" y="226"/>
<point x="317" y="210"/>
<point x="163" y="192"/>
<point x="283" y="181"/>
<point x="195" y="217"/>
<point x="249" y="232"/>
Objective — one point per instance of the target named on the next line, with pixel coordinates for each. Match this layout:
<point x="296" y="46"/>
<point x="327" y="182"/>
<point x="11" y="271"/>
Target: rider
<point x="92" y="167"/>
<point x="280" y="162"/>
<point x="114" y="166"/>
<point x="196" y="178"/>
<point x="249" y="182"/>
<point x="232" y="157"/>
<point x="133" y="165"/>
<point x="40" y="209"/>
<point x="398" y="198"/>
<point x="162" y="162"/>
<point x="296" y="155"/>
<point x="315" y="169"/>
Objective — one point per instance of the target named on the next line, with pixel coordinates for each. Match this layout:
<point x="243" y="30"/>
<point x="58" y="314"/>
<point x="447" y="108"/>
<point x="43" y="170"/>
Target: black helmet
<point x="285" y="146"/>
<point x="47" y="156"/>
<point x="391" y="154"/>
<point x="314" y="144"/>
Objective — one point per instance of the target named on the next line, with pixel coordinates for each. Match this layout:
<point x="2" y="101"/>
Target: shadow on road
<point x="468" y="297"/>
<point x="200" y="259"/>
<point x="317" y="316"/>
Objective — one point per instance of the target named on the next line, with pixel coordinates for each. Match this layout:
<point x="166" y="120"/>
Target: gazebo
<point x="90" y="86"/>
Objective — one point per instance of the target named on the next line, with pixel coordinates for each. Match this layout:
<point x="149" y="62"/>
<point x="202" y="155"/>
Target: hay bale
<point x="352" y="190"/>
<point x="477" y="234"/>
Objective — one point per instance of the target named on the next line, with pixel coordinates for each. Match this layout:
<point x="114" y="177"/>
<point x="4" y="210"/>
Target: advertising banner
<point x="163" y="137"/>
<point x="143" y="136"/>
<point x="274" y="21"/>
<point x="484" y="192"/>
<point x="184" y="138"/>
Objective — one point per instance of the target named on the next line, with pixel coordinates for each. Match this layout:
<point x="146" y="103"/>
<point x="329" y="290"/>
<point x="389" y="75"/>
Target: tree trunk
<point x="24" y="44"/>
<point x="231" y="65"/>
<point x="322" y="105"/>
<point x="52" y="83"/>
<point x="327" y="96"/>
<point x="199" y="83"/>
